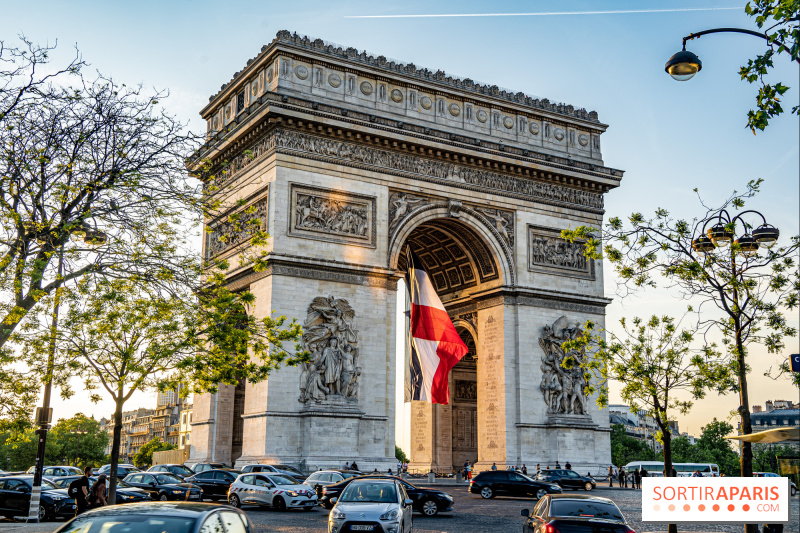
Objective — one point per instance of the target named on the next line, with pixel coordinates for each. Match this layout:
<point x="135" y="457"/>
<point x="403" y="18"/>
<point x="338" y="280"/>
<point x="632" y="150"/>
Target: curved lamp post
<point x="684" y="65"/>
<point x="722" y="233"/>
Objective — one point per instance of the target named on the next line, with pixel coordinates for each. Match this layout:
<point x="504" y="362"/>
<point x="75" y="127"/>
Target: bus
<point x="656" y="468"/>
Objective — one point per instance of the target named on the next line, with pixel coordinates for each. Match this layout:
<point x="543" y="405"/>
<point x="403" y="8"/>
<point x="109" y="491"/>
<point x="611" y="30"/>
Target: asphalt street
<point x="471" y="514"/>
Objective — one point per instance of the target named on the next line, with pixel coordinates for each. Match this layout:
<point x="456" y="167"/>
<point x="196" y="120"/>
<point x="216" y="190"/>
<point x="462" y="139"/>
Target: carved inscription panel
<point x="332" y="216"/>
<point x="549" y="253"/>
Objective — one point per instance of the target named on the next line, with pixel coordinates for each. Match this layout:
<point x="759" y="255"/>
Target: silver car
<point x="376" y="505"/>
<point x="276" y="490"/>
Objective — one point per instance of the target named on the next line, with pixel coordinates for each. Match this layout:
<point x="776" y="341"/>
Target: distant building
<point x="639" y="424"/>
<point x="170" y="397"/>
<point x="185" y="426"/>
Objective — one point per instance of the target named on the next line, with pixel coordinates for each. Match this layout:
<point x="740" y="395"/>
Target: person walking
<point x="347" y="466"/>
<point x="79" y="490"/>
<point x="621" y="477"/>
<point x="637" y="479"/>
<point x="354" y="466"/>
<point x="538" y="468"/>
<point x="97" y="494"/>
<point x="524" y="470"/>
<point x="469" y="471"/>
<point x="558" y="466"/>
<point x="494" y="466"/>
<point x="568" y="466"/>
<point x="610" y="476"/>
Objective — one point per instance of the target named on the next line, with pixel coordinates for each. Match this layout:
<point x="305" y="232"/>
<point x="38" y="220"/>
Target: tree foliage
<point x="399" y="454"/>
<point x="144" y="457"/>
<point x="625" y="449"/>
<point x="781" y="24"/>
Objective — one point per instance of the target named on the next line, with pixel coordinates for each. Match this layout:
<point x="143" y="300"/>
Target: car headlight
<point x="390" y="515"/>
<point x="177" y="492"/>
<point x="555" y="487"/>
<point x="293" y="494"/>
<point x="337" y="514"/>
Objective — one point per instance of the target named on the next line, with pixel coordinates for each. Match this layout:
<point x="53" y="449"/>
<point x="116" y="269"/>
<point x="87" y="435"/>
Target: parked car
<point x="792" y="486"/>
<point x="426" y="501"/>
<point x="215" y="483"/>
<point x="493" y="483"/>
<point x="323" y="478"/>
<point x="164" y="486"/>
<point x="202" y="467"/>
<point x="275" y="469"/>
<point x="575" y="513"/>
<point x="379" y="505"/>
<point x="181" y="471"/>
<point x="122" y="470"/>
<point x="567" y="479"/>
<point x="53" y="471"/>
<point x="125" y="493"/>
<point x="183" y="517"/>
<point x="275" y="490"/>
<point x="15" y="499"/>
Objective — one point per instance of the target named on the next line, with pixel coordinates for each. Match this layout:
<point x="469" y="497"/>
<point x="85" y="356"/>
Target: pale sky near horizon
<point x="669" y="137"/>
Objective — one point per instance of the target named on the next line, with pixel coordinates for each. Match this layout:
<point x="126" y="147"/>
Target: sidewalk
<point x="23" y="527"/>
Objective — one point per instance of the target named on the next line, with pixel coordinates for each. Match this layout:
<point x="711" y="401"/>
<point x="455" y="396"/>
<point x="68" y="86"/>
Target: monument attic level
<point x="345" y="159"/>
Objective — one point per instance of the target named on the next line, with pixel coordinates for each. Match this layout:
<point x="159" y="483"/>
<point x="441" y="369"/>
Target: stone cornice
<point x="564" y="301"/>
<point x="275" y="101"/>
<point x="391" y="69"/>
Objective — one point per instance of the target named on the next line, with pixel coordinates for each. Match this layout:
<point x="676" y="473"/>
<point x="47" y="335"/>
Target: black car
<point x="575" y="513"/>
<point x="125" y="493"/>
<point x="493" y="483"/>
<point x="215" y="483"/>
<point x="15" y="499"/>
<point x="164" y="487"/>
<point x="202" y="467"/>
<point x="426" y="501"/>
<point x="567" y="479"/>
<point x="176" y="469"/>
<point x="122" y="470"/>
<point x="275" y="469"/>
<point x="175" y="517"/>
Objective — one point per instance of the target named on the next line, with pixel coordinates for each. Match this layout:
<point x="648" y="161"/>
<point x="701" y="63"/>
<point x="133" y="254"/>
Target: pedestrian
<point x="621" y="477"/>
<point x="390" y="472"/>
<point x="354" y="466"/>
<point x="568" y="466"/>
<point x="97" y="494"/>
<point x="375" y="471"/>
<point x="558" y="466"/>
<point x="399" y="466"/>
<point x="644" y="473"/>
<point x="347" y="466"/>
<point x="637" y="479"/>
<point x="524" y="470"/>
<point x="79" y="491"/>
<point x="494" y="466"/>
<point x="469" y="471"/>
<point x="405" y="466"/>
<point x="610" y="476"/>
<point x="538" y="469"/>
<point x="673" y="472"/>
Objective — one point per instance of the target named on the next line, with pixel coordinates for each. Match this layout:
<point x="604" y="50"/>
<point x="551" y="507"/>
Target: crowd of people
<point x="624" y="479"/>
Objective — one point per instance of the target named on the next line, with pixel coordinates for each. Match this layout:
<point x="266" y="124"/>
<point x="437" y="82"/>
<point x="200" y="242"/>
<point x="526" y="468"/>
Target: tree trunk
<point x="115" y="444"/>
<point x="667" y="437"/>
<point x="744" y="413"/>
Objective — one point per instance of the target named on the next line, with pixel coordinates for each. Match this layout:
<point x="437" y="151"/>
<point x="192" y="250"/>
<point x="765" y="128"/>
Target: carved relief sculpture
<point x="563" y="386"/>
<point x="400" y="206"/>
<point x="225" y="233"/>
<point x="322" y="212"/>
<point x="503" y="222"/>
<point x="328" y="334"/>
<point x="548" y="252"/>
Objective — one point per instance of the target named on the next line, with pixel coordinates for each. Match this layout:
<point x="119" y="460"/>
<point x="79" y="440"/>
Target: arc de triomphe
<point x="346" y="159"/>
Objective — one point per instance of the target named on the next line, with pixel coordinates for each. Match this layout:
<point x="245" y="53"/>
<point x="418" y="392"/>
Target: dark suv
<point x="567" y="479"/>
<point x="509" y="483"/>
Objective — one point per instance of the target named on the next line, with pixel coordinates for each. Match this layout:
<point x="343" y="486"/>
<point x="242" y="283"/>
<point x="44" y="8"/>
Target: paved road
<point x="472" y="514"/>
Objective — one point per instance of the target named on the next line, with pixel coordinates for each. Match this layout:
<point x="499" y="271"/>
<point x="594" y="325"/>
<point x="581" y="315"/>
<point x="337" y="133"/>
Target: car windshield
<point x="348" y="475"/>
<point x="283" y="480"/>
<point x="529" y="478"/>
<point x="361" y="492"/>
<point x="127" y="522"/>
<point x="182" y="470"/>
<point x="585" y="508"/>
<point x="288" y="468"/>
<point x="168" y="478"/>
<point x="47" y="485"/>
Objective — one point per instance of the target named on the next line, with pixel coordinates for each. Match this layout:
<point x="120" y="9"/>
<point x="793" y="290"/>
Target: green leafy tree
<point x="144" y="457"/>
<point x="780" y="21"/>
<point x="399" y="454"/>
<point x="79" y="435"/>
<point x="625" y="449"/>
<point x="713" y="447"/>
<point x="741" y="296"/>
<point x="683" y="451"/>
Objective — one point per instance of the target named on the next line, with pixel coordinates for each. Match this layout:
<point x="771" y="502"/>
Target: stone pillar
<point x="492" y="384"/>
<point x="212" y="426"/>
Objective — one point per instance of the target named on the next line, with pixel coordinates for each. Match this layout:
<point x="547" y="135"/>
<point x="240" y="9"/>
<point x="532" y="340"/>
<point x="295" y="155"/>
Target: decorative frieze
<point x="332" y="216"/>
<point x="549" y="253"/>
<point x="235" y="227"/>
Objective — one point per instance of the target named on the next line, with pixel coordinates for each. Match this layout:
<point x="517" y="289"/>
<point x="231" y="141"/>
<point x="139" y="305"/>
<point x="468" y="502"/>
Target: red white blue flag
<point x="436" y="346"/>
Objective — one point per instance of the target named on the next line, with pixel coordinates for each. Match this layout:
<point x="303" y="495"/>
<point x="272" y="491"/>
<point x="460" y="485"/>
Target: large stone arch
<point x="477" y="226"/>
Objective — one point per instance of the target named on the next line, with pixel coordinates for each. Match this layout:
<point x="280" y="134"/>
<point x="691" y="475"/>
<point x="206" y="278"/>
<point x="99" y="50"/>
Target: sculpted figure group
<point x="329" y="335"/>
<point x="563" y="388"/>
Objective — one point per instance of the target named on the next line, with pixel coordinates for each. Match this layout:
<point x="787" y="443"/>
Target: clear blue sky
<point x="669" y="137"/>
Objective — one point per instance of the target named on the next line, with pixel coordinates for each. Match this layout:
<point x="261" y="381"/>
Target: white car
<point x="275" y="490"/>
<point x="376" y="505"/>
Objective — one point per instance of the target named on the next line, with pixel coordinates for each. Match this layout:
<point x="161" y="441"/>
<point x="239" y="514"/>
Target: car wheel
<point x="163" y="497"/>
<point x="487" y="492"/>
<point x="794" y="491"/>
<point x="541" y="493"/>
<point x="279" y="504"/>
<point x="429" y="508"/>
<point x="233" y="500"/>
<point x="43" y="515"/>
<point x="588" y="486"/>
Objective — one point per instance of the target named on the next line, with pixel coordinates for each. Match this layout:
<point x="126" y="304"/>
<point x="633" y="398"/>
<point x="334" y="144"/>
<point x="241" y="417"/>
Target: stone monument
<point x="346" y="159"/>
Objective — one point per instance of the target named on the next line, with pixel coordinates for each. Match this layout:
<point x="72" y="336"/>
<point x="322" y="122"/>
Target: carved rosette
<point x="329" y="335"/>
<point x="235" y="227"/>
<point x="563" y="386"/>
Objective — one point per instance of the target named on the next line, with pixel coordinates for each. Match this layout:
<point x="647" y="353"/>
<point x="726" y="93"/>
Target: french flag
<point x="435" y="345"/>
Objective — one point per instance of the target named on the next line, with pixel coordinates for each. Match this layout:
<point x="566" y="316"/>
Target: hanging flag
<point x="435" y="345"/>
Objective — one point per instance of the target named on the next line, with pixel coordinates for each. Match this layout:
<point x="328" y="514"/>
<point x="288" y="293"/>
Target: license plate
<point x="361" y="528"/>
<point x="194" y="496"/>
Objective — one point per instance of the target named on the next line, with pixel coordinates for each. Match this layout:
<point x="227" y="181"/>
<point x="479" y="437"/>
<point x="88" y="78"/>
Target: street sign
<point x="795" y="358"/>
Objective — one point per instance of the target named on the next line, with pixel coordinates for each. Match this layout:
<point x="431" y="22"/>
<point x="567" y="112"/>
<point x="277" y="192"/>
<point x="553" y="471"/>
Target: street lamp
<point x="722" y="233"/>
<point x="684" y="65"/>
